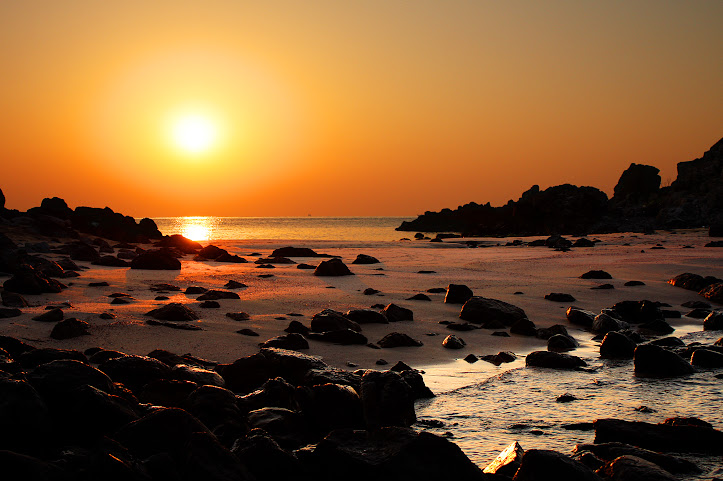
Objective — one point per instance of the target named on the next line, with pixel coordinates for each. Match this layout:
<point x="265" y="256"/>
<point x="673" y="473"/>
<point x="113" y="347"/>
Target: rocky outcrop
<point x="638" y="204"/>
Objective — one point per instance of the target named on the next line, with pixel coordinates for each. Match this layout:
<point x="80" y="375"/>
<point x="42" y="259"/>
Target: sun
<point x="194" y="133"/>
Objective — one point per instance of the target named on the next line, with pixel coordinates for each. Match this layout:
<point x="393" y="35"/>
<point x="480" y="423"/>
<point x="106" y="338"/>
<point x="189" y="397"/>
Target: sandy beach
<point x="518" y="275"/>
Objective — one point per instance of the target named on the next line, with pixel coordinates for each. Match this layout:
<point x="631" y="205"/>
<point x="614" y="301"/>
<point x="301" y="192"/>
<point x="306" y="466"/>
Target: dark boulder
<point x="332" y="267"/>
<point x="35" y="357"/>
<point x="265" y="459"/>
<point x="110" y="261"/>
<point x="197" y="375"/>
<point x="156" y="260"/>
<point x="633" y="468"/>
<point x="636" y="183"/>
<point x="344" y="337"/>
<point x="610" y="451"/>
<point x="174" y="311"/>
<point x="331" y="320"/>
<point x="654" y="361"/>
<point x="7" y="313"/>
<point x="580" y="317"/>
<point x="291" y="341"/>
<point x="561" y="343"/>
<point x="135" y="371"/>
<point x="616" y="346"/>
<point x="331" y="406"/>
<point x="365" y="259"/>
<point x="419" y="297"/>
<point x="638" y="312"/>
<point x="214" y="295"/>
<point x="70" y="328"/>
<point x="11" y="299"/>
<point x="453" y="342"/>
<point x="387" y="400"/>
<point x="366" y="316"/>
<point x="480" y="310"/>
<point x="298" y="328"/>
<point x="605" y="323"/>
<point x="544" y="465"/>
<point x="179" y="242"/>
<point x="395" y="313"/>
<point x="398" y="339"/>
<point x="692" y="282"/>
<point x="596" y="274"/>
<point x="681" y="438"/>
<point x="210" y="252"/>
<point x="52" y="315"/>
<point x="553" y="360"/>
<point x="27" y="280"/>
<point x="559" y="297"/>
<point x="457" y="294"/>
<point x="706" y="359"/>
<point x="713" y="292"/>
<point x="657" y="327"/>
<point x="23" y="418"/>
<point x="80" y="251"/>
<point x="296" y="252"/>
<point x="523" y="327"/>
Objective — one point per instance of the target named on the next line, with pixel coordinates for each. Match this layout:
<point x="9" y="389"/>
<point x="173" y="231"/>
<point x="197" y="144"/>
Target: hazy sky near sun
<point x="347" y="108"/>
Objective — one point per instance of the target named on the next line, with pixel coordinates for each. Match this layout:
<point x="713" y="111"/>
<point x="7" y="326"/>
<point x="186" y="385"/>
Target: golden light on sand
<point x="194" y="133"/>
<point x="197" y="228"/>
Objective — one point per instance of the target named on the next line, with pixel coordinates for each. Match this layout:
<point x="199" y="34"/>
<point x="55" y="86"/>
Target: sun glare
<point x="194" y="134"/>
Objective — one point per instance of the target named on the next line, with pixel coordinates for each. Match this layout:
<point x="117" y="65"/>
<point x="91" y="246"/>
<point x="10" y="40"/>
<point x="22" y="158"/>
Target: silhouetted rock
<point x="616" y="346"/>
<point x="331" y="320"/>
<point x="52" y="315"/>
<point x="366" y="316"/>
<point x="177" y="241"/>
<point x="543" y="465"/>
<point x="395" y="313"/>
<point x="693" y="282"/>
<point x="714" y="292"/>
<point x="135" y="371"/>
<point x="664" y="437"/>
<point x="291" y="341"/>
<point x="28" y="280"/>
<point x="579" y="316"/>
<point x="453" y="342"/>
<point x="559" y="297"/>
<point x="523" y="327"/>
<point x="332" y="267"/>
<point x="481" y="309"/>
<point x="387" y="400"/>
<point x="70" y="328"/>
<point x="596" y="274"/>
<point x="174" y="311"/>
<point x="6" y="313"/>
<point x="339" y="336"/>
<point x="457" y="294"/>
<point x="11" y="299"/>
<point x="633" y="468"/>
<point x="365" y="259"/>
<point x="553" y="360"/>
<point x="398" y="339"/>
<point x="654" y="361"/>
<point x="215" y="294"/>
<point x="156" y="260"/>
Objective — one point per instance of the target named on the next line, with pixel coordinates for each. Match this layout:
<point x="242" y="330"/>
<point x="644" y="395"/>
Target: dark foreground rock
<point x="332" y="268"/>
<point x="654" y="361"/>
<point x="633" y="468"/>
<point x="553" y="360"/>
<point x="543" y="465"/>
<point x="681" y="438"/>
<point x="481" y="309"/>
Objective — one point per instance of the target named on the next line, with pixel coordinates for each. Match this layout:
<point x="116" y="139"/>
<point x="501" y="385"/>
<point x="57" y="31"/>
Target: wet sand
<point x="495" y="272"/>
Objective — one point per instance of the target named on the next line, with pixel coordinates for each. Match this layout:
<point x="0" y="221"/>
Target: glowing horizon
<point x="329" y="109"/>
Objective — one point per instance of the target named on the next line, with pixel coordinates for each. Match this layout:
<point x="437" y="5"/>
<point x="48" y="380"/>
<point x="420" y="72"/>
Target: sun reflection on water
<point x="197" y="228"/>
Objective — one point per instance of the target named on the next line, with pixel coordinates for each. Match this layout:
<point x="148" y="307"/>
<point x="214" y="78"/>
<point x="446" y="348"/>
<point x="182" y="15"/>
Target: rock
<point x="463" y="327"/>
<point x="238" y="316"/>
<point x="210" y="252"/>
<point x="559" y="297"/>
<point x="397" y="339"/>
<point x="331" y="320"/>
<point x="596" y="274"/>
<point x="11" y="299"/>
<point x="637" y="312"/>
<point x="53" y="315"/>
<point x="561" y="343"/>
<point x="654" y="361"/>
<point x="553" y="360"/>
<point x="370" y="292"/>
<point x="197" y="375"/>
<point x="70" y="328"/>
<point x="698" y="313"/>
<point x="605" y="323"/>
<point x="634" y="283"/>
<point x="110" y="261"/>
<point x="298" y="328"/>
<point x="714" y="292"/>
<point x="637" y="182"/>
<point x="366" y="316"/>
<point x="156" y="260"/>
<point x="332" y="267"/>
<point x="657" y="327"/>
<point x="24" y="420"/>
<point x="248" y="332"/>
<point x="291" y="341"/>
<point x="234" y="285"/>
<point x="27" y="280"/>
<point x="616" y="346"/>
<point x="458" y="294"/>
<point x="177" y="241"/>
<point x="80" y="251"/>
<point x="395" y="313"/>
<point x="419" y="297"/>
<point x="214" y="295"/>
<point x="543" y="465"/>
<point x="8" y="313"/>
<point x="365" y="259"/>
<point x="453" y="342"/>
<point x="192" y="290"/>
<point x="175" y="312"/>
<point x="480" y="310"/>
<point x="265" y="459"/>
<point x="692" y="282"/>
<point x="524" y="327"/>
<point x="706" y="359"/>
<point x="681" y="438"/>
<point x="583" y="242"/>
<point x="633" y="468"/>
<point x="507" y="462"/>
<point x="387" y="400"/>
<point x="610" y="451"/>
<point x="135" y="371"/>
<point x="580" y="317"/>
<point x="340" y="336"/>
<point x="603" y="287"/>
<point x="548" y="332"/>
<point x="305" y="266"/>
<point x="35" y="357"/>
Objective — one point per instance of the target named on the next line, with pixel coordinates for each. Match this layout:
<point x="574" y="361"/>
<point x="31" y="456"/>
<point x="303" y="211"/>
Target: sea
<point x="483" y="415"/>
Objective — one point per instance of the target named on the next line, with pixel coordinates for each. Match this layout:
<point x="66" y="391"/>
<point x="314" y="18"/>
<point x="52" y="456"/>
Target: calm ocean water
<point x="284" y="228"/>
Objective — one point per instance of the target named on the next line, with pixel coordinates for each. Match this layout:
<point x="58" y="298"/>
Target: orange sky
<point x="348" y="108"/>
